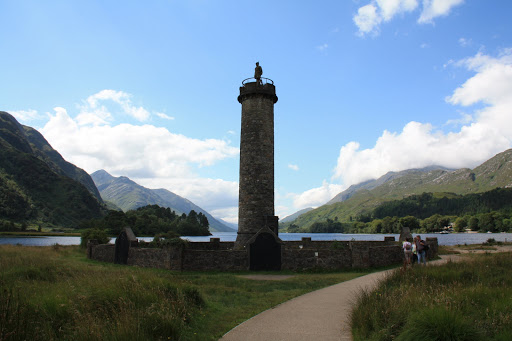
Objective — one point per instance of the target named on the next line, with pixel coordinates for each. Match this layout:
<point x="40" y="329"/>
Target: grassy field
<point x="469" y="300"/>
<point x="56" y="293"/>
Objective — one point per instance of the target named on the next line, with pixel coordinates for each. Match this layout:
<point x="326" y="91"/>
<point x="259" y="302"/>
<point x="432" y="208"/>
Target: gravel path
<point x="319" y="315"/>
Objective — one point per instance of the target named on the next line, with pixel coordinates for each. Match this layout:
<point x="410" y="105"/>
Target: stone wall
<point x="216" y="260"/>
<point x="150" y="258"/>
<point x="295" y="255"/>
<point x="307" y="254"/>
<point x="102" y="252"/>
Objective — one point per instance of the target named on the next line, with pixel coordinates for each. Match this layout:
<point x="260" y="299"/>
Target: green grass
<point x="447" y="250"/>
<point x="55" y="293"/>
<point x="470" y="300"/>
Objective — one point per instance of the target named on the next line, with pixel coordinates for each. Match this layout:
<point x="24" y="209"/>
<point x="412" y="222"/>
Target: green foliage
<point x="97" y="234"/>
<point x="439" y="324"/>
<point x="9" y="226"/>
<point x="468" y="300"/>
<point x="374" y="222"/>
<point x="473" y="223"/>
<point x="426" y="204"/>
<point x="328" y="226"/>
<point x="435" y="223"/>
<point x="152" y="220"/>
<point x="460" y="224"/>
<point x="37" y="185"/>
<point x="46" y="295"/>
<point x="292" y="228"/>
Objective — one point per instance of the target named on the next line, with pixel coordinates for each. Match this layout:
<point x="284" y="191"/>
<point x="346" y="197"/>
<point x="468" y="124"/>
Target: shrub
<point x="438" y="324"/>
<point x="89" y="234"/>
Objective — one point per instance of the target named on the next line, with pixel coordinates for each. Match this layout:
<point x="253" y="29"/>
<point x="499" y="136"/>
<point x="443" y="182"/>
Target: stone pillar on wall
<point x="91" y="243"/>
<point x="256" y="185"/>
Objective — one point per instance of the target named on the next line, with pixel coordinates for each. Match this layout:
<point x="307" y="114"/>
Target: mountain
<point x="364" y="197"/>
<point x="37" y="184"/>
<point x="128" y="195"/>
<point x="294" y="216"/>
<point x="419" y="174"/>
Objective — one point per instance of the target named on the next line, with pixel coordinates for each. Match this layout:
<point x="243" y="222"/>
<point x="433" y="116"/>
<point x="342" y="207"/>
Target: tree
<point x="460" y="224"/>
<point x="203" y="220"/>
<point x="96" y="234"/>
<point x="411" y="222"/>
<point x="473" y="223"/>
<point x="293" y="228"/>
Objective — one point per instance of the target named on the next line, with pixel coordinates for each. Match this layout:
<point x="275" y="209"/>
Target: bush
<point x="438" y="324"/>
<point x="89" y="234"/>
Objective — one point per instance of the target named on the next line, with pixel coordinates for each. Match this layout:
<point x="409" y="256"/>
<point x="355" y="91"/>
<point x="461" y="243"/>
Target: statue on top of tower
<point x="258" y="71"/>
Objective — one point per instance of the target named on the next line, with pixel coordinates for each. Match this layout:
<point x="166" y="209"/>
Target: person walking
<point x="407" y="247"/>
<point x="414" y="253"/>
<point x="420" y="249"/>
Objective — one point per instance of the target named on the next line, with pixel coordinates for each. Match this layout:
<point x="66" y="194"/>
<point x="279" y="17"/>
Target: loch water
<point x="443" y="239"/>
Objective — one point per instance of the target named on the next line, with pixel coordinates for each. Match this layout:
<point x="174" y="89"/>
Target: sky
<point x="148" y="89"/>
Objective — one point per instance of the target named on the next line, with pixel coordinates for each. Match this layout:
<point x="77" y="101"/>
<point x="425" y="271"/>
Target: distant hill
<point x="419" y="174"/>
<point x="37" y="184"/>
<point x="294" y="216"/>
<point x="364" y="197"/>
<point x="128" y="195"/>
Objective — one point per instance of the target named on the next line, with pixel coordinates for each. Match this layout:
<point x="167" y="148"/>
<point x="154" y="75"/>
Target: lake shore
<point x="44" y="239"/>
<point x="39" y="234"/>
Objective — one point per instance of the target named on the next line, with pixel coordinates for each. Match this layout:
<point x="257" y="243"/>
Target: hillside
<point x="128" y="195"/>
<point x="417" y="175"/>
<point x="294" y="216"/>
<point x="37" y="184"/>
<point x="364" y="197"/>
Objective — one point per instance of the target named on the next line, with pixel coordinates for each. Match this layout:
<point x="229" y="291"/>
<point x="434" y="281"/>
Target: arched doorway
<point x="265" y="253"/>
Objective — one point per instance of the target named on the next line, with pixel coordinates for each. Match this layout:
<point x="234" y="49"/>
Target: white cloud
<point x="164" y="116"/>
<point x="133" y="149"/>
<point x="465" y="42"/>
<point x="484" y="133"/>
<point x="93" y="107"/>
<point x="25" y="115"/>
<point x="152" y="156"/>
<point x="322" y="47"/>
<point x="436" y="8"/>
<point x="367" y="19"/>
<point x="491" y="85"/>
<point x="293" y="167"/>
<point x="462" y="120"/>
<point x="390" y="8"/>
<point x="229" y="214"/>
<point x="370" y="16"/>
<point x="316" y="196"/>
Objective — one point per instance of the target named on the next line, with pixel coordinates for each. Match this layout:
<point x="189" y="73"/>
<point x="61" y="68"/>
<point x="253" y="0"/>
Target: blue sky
<point x="148" y="89"/>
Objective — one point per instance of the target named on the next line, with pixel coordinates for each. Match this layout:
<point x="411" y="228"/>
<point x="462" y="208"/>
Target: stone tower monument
<point x="257" y="223"/>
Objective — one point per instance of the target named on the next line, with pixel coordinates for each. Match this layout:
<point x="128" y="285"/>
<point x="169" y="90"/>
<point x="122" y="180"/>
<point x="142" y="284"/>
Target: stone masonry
<point x="256" y="191"/>
<point x="295" y="255"/>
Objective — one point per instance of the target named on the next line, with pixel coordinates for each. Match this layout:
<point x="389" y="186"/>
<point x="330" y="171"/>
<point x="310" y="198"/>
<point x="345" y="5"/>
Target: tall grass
<point x="47" y="296"/>
<point x="469" y="300"/>
<point x="55" y="293"/>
